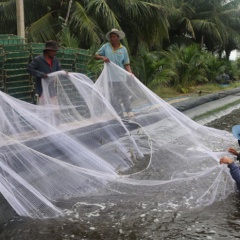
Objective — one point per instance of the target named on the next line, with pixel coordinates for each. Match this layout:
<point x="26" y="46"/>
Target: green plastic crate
<point x="27" y="99"/>
<point x="12" y="84"/>
<point x="70" y="50"/>
<point x="70" y="56"/>
<point x="81" y="65"/>
<point x="12" y="41"/>
<point x="19" y="77"/>
<point x="60" y="55"/>
<point x="2" y="59"/>
<point x="22" y="54"/>
<point x="15" y="48"/>
<point x="36" y="45"/>
<point x="83" y="58"/>
<point x="85" y="52"/>
<point x="22" y="95"/>
<point x="12" y="72"/>
<point x="17" y="60"/>
<point x="16" y="90"/>
<point x="67" y="67"/>
<point x="10" y="36"/>
<point x="8" y="66"/>
<point x="66" y="61"/>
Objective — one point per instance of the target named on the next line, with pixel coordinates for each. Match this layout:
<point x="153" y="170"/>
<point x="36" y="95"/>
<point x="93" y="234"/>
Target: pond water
<point x="109" y="218"/>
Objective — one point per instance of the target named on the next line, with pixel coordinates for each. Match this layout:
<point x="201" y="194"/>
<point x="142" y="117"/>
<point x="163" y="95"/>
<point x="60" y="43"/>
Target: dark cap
<point x="51" y="45"/>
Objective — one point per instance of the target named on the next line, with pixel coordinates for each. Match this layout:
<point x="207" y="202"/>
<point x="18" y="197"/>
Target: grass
<point x="167" y="92"/>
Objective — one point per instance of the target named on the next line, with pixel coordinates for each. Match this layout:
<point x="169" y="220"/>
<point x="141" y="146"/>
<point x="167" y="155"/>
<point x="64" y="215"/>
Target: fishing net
<point x="114" y="137"/>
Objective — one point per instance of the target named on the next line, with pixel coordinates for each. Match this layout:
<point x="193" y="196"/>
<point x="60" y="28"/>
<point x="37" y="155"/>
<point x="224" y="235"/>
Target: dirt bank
<point x="226" y="122"/>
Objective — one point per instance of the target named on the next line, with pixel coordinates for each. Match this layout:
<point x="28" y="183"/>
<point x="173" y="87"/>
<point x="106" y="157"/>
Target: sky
<point x="233" y="55"/>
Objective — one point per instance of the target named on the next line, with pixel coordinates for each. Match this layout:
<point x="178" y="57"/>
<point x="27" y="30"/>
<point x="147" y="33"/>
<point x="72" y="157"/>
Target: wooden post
<point x="20" y="18"/>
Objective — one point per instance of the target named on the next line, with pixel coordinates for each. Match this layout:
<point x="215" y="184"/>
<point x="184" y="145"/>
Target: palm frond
<point x="208" y="28"/>
<point x="43" y="29"/>
<point x="84" y="25"/>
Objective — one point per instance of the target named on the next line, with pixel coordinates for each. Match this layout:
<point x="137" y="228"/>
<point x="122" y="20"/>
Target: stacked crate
<point x="1" y="70"/>
<point x="16" y="79"/>
<point x="35" y="49"/>
<point x="15" y="55"/>
<point x="82" y="58"/>
<point x="67" y="58"/>
<point x="70" y="58"/>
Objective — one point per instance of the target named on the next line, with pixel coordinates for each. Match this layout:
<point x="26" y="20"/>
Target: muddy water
<point x="108" y="217"/>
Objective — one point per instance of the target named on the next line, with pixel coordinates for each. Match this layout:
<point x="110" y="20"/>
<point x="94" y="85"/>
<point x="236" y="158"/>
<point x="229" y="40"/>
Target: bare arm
<point x="105" y="59"/>
<point x="128" y="68"/>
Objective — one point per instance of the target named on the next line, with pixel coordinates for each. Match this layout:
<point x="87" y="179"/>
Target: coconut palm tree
<point x="216" y="24"/>
<point x="212" y="23"/>
<point x="182" y="67"/>
<point x="145" y="22"/>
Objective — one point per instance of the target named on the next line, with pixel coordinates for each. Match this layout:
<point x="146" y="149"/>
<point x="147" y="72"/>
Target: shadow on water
<point x="115" y="218"/>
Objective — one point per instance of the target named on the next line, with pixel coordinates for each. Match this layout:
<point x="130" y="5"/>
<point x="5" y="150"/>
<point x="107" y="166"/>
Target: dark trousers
<point x="119" y="93"/>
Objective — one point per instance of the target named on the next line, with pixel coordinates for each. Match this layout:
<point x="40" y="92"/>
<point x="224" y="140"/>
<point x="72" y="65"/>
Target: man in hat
<point x="114" y="51"/>
<point x="234" y="169"/>
<point x="42" y="65"/>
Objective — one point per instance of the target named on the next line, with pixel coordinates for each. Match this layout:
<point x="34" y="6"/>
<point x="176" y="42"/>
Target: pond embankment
<point x="221" y="107"/>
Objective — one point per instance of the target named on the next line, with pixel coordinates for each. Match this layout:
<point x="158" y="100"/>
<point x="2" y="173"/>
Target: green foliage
<point x="67" y="39"/>
<point x="95" y="66"/>
<point x="236" y="69"/>
<point x="145" y="66"/>
<point x="182" y="67"/>
<point x="151" y="27"/>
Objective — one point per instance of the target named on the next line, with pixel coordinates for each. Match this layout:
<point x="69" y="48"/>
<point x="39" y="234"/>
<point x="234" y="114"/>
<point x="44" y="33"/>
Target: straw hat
<point x="236" y="131"/>
<point x="51" y="45"/>
<point x="120" y="33"/>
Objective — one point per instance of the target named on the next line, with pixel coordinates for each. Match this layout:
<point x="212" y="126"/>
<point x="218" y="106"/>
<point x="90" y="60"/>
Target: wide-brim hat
<point x="51" y="45"/>
<point x="236" y="131"/>
<point x="120" y="33"/>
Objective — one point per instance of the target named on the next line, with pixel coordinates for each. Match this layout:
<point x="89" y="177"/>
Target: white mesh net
<point x="80" y="142"/>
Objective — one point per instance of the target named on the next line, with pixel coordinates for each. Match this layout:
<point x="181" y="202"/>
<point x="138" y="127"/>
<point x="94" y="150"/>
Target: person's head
<point x="115" y="35"/>
<point x="51" y="48"/>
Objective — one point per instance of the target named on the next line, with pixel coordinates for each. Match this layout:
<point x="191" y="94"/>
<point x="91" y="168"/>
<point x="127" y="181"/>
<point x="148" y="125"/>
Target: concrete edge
<point x="194" y="102"/>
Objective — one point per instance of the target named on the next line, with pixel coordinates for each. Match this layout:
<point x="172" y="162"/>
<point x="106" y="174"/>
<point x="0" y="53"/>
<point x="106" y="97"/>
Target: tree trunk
<point x="68" y="12"/>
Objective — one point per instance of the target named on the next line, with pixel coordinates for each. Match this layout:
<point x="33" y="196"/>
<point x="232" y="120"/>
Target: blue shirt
<point x="235" y="173"/>
<point x="119" y="56"/>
